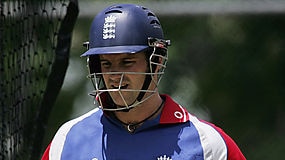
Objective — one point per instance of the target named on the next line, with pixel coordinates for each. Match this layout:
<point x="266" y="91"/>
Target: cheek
<point x="138" y="80"/>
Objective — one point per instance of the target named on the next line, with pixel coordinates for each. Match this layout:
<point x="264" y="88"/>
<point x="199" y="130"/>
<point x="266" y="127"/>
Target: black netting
<point x="29" y="37"/>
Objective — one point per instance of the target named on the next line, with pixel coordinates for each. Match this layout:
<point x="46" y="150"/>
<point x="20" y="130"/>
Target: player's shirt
<point x="173" y="135"/>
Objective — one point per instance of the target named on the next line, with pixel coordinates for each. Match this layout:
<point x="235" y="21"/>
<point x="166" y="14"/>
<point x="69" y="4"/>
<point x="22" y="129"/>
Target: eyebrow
<point x="129" y="56"/>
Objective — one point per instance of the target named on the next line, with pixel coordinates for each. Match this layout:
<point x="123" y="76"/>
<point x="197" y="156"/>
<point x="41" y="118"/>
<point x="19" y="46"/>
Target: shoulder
<point x="214" y="147"/>
<point x="65" y="128"/>
<point x="58" y="141"/>
<point x="216" y="143"/>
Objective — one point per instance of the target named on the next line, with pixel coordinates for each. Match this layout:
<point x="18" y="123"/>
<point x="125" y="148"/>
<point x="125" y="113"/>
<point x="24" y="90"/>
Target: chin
<point x="118" y="100"/>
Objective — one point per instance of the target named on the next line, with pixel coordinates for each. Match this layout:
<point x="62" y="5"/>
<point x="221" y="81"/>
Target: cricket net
<point x="35" y="38"/>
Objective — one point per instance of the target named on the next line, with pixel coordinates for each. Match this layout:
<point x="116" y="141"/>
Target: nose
<point x="115" y="77"/>
<point x="115" y="74"/>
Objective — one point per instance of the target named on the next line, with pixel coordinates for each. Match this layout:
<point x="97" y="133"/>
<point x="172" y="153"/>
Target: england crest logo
<point x="164" y="158"/>
<point x="109" y="28"/>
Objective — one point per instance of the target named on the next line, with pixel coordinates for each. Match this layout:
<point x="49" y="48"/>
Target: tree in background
<point x="237" y="64"/>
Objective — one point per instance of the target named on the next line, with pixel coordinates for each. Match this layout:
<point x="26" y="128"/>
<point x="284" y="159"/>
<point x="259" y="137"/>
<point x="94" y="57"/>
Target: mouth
<point x="120" y="87"/>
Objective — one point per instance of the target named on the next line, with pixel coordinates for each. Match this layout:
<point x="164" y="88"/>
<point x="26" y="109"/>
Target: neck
<point x="145" y="111"/>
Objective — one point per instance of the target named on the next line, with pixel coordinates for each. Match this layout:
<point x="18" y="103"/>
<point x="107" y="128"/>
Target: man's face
<point x="124" y="63"/>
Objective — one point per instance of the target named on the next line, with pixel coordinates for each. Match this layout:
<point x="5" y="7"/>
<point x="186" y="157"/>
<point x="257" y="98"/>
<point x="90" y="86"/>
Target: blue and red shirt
<point x="174" y="135"/>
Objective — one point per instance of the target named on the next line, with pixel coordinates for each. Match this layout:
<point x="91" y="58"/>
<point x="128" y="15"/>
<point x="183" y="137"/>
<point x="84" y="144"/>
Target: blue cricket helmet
<point x="122" y="28"/>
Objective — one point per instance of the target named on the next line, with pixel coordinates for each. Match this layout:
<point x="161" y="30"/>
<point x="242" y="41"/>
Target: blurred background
<point x="226" y="65"/>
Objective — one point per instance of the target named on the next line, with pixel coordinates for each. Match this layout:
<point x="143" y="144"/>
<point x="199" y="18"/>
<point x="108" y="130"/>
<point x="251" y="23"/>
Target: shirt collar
<point x="173" y="112"/>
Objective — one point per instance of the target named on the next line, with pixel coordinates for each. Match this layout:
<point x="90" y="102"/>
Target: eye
<point x="128" y="62"/>
<point x="105" y="64"/>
